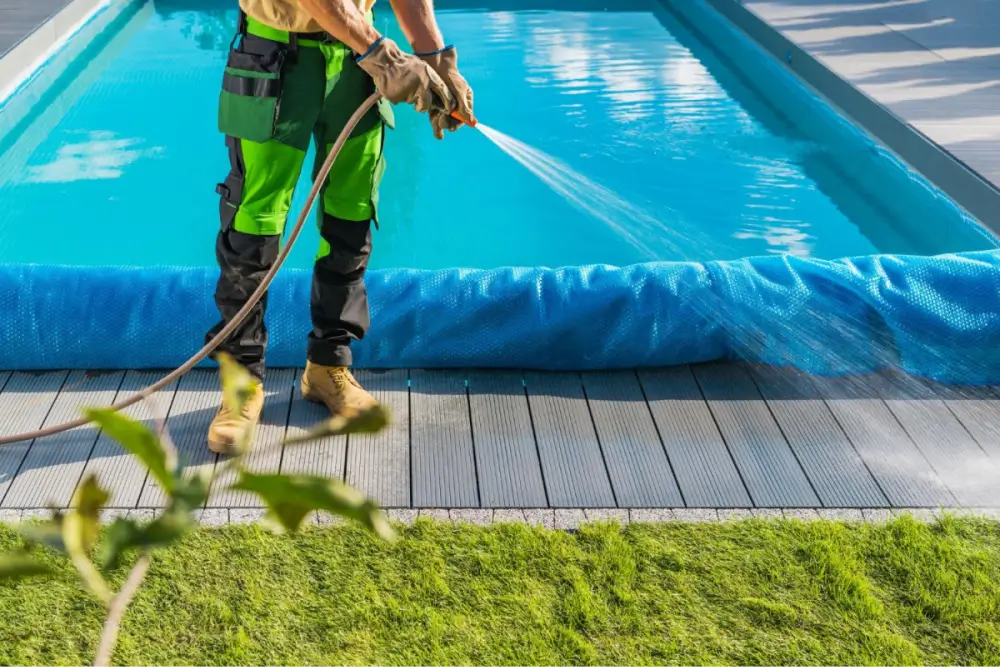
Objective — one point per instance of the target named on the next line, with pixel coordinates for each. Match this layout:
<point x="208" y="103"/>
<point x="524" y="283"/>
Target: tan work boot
<point x="335" y="387"/>
<point x="228" y="425"/>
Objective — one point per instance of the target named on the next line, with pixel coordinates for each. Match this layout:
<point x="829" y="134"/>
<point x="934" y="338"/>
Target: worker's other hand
<point x="401" y="77"/>
<point x="445" y="64"/>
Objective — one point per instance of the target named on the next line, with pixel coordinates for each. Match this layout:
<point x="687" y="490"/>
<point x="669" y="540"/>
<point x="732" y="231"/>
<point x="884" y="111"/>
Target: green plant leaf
<point x="19" y="566"/>
<point x="289" y="498"/>
<point x="372" y="420"/>
<point x="139" y="440"/>
<point x="122" y="535"/>
<point x="81" y="525"/>
<point x="168" y="528"/>
<point x="125" y="535"/>
<point x="191" y="492"/>
<point x="237" y="383"/>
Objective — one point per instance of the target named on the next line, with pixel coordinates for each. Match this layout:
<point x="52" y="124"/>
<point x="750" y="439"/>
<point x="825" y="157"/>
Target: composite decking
<point x="20" y="18"/>
<point x="708" y="436"/>
<point x="935" y="64"/>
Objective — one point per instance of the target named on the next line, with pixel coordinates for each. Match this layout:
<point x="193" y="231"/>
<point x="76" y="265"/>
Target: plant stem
<point x="92" y="579"/>
<point x="109" y="634"/>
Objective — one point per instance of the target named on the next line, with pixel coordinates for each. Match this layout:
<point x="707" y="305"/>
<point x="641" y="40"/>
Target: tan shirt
<point x="288" y="15"/>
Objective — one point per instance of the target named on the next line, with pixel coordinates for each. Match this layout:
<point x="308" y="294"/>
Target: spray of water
<point x="637" y="227"/>
<point x="867" y="406"/>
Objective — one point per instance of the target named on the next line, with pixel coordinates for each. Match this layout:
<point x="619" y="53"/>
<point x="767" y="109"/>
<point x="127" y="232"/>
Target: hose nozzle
<point x="457" y="116"/>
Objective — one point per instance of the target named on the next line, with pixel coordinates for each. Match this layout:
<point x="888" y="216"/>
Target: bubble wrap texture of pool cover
<point x="937" y="317"/>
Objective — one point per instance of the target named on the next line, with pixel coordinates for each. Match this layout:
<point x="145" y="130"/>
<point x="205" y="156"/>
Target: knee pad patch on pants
<point x="345" y="247"/>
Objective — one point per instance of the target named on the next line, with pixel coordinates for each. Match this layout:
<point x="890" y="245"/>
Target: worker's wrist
<point x="435" y="52"/>
<point x="371" y="49"/>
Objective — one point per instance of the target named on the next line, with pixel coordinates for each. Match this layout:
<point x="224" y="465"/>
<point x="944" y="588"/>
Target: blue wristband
<point x="434" y="53"/>
<point x="370" y="49"/>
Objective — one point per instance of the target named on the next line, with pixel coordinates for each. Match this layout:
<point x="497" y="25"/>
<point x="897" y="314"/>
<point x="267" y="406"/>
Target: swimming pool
<point x="646" y="100"/>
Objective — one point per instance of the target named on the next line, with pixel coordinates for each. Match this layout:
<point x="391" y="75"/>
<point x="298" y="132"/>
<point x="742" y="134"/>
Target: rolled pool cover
<point x="937" y="317"/>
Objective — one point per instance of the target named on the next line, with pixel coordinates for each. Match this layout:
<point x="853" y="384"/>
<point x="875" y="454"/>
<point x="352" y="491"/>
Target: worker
<point x="296" y="71"/>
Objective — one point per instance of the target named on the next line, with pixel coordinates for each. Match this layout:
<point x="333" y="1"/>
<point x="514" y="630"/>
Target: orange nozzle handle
<point x="457" y="116"/>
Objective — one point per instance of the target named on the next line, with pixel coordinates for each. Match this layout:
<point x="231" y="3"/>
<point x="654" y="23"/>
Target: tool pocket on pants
<point x="251" y="89"/>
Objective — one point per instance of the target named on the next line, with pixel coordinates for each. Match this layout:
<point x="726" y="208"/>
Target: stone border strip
<point x="560" y="519"/>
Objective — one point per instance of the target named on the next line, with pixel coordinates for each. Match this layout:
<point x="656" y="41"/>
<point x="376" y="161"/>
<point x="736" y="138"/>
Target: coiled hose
<point x="210" y="346"/>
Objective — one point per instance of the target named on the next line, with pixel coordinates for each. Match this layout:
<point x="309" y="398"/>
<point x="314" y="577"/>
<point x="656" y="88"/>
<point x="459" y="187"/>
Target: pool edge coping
<point x="957" y="180"/>
<point x="36" y="48"/>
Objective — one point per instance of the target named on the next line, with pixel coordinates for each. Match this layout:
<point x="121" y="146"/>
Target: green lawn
<point x="745" y="592"/>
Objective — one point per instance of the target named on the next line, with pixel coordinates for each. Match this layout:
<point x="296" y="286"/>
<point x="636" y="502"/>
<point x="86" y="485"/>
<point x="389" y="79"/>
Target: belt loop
<point x="293" y="41"/>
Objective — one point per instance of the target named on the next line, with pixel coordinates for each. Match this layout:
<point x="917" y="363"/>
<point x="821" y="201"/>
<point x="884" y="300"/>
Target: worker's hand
<point x="445" y="64"/>
<point x="401" y="77"/>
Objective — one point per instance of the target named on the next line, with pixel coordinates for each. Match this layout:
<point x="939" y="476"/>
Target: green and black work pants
<point x="280" y="91"/>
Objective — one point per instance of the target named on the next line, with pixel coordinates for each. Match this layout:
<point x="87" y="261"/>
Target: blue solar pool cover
<point x="933" y="316"/>
<point x="937" y="317"/>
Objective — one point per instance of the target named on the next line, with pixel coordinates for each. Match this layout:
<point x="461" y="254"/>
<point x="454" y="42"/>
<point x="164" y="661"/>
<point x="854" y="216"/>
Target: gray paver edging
<point x="556" y="519"/>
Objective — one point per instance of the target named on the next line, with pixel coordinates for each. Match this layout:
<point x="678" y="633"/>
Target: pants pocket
<point x="251" y="90"/>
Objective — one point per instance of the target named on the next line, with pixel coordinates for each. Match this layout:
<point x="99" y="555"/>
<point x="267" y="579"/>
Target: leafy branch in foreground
<point x="289" y="499"/>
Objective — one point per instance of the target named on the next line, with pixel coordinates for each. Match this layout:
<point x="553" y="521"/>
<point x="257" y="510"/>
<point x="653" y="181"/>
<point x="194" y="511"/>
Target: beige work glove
<point x="401" y="77"/>
<point x="445" y="64"/>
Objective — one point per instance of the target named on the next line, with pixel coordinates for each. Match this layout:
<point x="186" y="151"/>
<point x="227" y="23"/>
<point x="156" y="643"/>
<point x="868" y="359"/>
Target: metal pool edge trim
<point x="961" y="183"/>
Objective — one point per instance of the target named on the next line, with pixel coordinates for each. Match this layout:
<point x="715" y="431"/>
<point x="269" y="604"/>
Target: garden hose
<point x="243" y="312"/>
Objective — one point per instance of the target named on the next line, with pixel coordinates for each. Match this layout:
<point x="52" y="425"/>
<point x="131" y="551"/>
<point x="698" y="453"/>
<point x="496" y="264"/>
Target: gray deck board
<point x="767" y="464"/>
<point x="637" y="464"/>
<point x="444" y="467"/>
<point x="265" y="456"/>
<point x="24" y="403"/>
<point x="835" y="469"/>
<point x="54" y="465"/>
<point x="978" y="409"/>
<point x="510" y="473"/>
<point x="974" y="479"/>
<point x="901" y="470"/>
<point x="326" y="457"/>
<point x="379" y="464"/>
<point x="704" y="468"/>
<point x="572" y="461"/>
<point x="500" y="439"/>
<point x="118" y="471"/>
<point x="19" y="18"/>
<point x="932" y="63"/>
<point x="195" y="404"/>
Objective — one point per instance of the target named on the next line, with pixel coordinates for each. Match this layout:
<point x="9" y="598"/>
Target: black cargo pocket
<point x="251" y="90"/>
<point x="231" y="190"/>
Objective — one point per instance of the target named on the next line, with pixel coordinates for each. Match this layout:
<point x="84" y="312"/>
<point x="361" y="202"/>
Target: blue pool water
<point x="118" y="167"/>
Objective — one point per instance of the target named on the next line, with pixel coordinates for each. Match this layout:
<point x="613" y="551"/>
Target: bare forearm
<point x="343" y="20"/>
<point x="416" y="18"/>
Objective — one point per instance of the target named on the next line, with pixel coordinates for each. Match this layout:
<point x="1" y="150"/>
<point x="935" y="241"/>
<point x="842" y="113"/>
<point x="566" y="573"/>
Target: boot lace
<point x="342" y="378"/>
